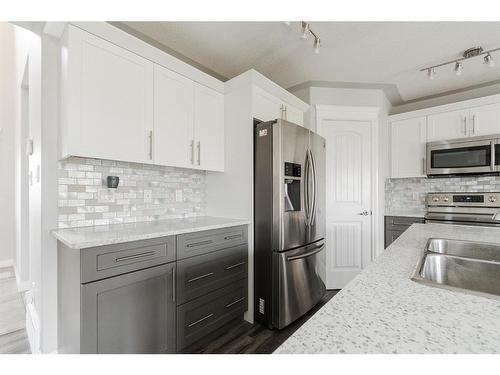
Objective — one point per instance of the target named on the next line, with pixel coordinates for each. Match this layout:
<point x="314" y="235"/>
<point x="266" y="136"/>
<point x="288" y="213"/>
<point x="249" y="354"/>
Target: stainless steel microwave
<point x="473" y="155"/>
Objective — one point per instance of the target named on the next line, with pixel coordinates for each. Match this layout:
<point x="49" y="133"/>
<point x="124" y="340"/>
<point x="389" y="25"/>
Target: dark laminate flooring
<point x="249" y="338"/>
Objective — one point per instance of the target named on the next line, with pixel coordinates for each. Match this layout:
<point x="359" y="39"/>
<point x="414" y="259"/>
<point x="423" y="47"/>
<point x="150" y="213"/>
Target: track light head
<point x="458" y="68"/>
<point x="305" y="29"/>
<point x="317" y="45"/>
<point x="431" y="73"/>
<point x="488" y="60"/>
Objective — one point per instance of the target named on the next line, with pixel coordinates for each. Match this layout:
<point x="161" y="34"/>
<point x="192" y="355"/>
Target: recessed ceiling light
<point x="458" y="68"/>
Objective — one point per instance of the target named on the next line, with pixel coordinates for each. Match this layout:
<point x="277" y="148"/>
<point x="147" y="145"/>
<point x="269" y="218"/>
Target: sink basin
<point x="471" y="267"/>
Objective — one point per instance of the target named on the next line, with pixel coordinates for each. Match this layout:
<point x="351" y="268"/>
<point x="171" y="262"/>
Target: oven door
<point x="461" y="157"/>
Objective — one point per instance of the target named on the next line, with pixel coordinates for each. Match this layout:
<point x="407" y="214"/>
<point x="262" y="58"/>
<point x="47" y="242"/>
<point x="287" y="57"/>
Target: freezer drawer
<point x="299" y="283"/>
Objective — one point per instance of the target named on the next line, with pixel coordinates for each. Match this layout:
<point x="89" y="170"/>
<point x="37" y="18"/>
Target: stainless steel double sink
<point x="471" y="267"/>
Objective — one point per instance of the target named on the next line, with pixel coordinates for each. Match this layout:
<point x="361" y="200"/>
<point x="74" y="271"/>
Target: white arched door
<point x="348" y="199"/>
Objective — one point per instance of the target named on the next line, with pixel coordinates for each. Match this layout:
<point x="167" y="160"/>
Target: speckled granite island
<point x="383" y="311"/>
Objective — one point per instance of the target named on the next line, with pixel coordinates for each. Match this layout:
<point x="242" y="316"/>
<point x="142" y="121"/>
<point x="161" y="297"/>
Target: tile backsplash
<point x="408" y="194"/>
<point x="145" y="193"/>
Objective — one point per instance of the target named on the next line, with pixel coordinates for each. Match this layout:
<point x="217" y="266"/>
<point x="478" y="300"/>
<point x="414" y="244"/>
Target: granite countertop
<point x="383" y="311"/>
<point x="406" y="213"/>
<point x="99" y="235"/>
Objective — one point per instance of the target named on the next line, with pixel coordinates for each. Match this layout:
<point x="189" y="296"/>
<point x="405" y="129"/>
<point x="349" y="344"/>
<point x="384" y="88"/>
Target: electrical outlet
<point x="178" y="195"/>
<point x="148" y="196"/>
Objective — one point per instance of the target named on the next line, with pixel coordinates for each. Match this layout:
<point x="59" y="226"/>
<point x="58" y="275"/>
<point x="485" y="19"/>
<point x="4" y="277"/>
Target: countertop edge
<point x="139" y="237"/>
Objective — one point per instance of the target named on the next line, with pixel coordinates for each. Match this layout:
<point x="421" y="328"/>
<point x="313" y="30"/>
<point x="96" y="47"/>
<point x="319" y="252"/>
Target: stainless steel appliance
<point x="473" y="155"/>
<point x="463" y="208"/>
<point x="289" y="217"/>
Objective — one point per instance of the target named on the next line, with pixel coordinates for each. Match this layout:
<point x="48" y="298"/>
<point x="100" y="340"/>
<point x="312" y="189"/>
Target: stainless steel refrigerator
<point x="289" y="222"/>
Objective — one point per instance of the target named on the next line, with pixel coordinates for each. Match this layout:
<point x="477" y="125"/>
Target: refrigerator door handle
<point x="314" y="199"/>
<point x="306" y="187"/>
<point x="314" y="251"/>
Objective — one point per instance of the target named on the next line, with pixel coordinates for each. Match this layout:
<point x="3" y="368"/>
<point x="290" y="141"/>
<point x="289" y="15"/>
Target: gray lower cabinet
<point x="132" y="313"/>
<point x="161" y="295"/>
<point x="396" y="225"/>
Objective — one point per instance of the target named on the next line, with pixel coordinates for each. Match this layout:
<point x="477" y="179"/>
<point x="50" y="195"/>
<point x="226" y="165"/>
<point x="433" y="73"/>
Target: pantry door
<point x="348" y="198"/>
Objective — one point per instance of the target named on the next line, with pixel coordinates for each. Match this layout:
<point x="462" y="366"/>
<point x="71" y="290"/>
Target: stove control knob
<point x="492" y="198"/>
<point x="435" y="199"/>
<point x="446" y="199"/>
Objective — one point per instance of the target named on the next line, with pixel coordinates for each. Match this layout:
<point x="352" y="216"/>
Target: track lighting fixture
<point x="488" y="60"/>
<point x="467" y="54"/>
<point x="306" y="29"/>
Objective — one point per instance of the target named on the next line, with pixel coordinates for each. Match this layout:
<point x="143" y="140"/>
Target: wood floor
<point x="249" y="338"/>
<point x="13" y="337"/>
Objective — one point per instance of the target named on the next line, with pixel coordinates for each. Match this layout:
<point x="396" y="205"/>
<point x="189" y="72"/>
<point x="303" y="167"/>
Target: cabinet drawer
<point x="206" y="314"/>
<point x="205" y="273"/>
<point x="192" y="244"/>
<point x="401" y="222"/>
<point x="105" y="261"/>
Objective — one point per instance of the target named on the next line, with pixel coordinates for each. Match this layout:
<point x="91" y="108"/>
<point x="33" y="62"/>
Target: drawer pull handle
<point x="235" y="265"/>
<point x="400" y="223"/>
<point x="200" y="320"/>
<point x="232" y="237"/>
<point x="234" y="302"/>
<point x="200" y="277"/>
<point x="135" y="256"/>
<point x="194" y="244"/>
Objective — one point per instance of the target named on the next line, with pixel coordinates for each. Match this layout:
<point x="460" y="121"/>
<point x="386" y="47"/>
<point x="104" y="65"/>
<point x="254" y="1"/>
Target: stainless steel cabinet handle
<point x="194" y="244"/>
<point x="234" y="302"/>
<point x="192" y="151"/>
<point x="135" y="256"/>
<point x="364" y="213"/>
<point x="173" y="284"/>
<point x="235" y="265"/>
<point x="232" y="237"/>
<point x="200" y="320"/>
<point x="150" y="145"/>
<point x="493" y="160"/>
<point x="199" y="153"/>
<point x="317" y="250"/>
<point x="200" y="277"/>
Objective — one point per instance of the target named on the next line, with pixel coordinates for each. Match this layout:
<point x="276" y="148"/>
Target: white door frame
<point x="353" y="113"/>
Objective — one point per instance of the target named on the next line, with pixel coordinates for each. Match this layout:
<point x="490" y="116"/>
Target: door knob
<point x="364" y="213"/>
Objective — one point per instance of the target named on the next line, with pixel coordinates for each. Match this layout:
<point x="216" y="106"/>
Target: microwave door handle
<point x="493" y="161"/>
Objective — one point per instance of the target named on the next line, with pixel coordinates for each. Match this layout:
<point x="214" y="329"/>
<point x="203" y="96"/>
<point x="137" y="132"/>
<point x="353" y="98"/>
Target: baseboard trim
<point x="6" y="263"/>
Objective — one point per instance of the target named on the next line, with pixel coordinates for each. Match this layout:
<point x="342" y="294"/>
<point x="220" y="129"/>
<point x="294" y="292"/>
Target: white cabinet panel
<point x="209" y="128"/>
<point x="174" y="116"/>
<point x="110" y="100"/>
<point x="484" y="120"/>
<point x="266" y="107"/>
<point x="294" y="115"/>
<point x="447" y="125"/>
<point x="408" y="139"/>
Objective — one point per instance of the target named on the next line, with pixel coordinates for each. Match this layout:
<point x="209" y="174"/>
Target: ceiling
<point x="389" y="53"/>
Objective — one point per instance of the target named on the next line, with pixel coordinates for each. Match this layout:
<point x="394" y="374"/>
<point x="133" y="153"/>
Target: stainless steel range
<point x="463" y="208"/>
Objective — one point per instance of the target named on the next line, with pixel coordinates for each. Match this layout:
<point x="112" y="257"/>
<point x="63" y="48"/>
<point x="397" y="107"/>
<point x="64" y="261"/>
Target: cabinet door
<point x="173" y="120"/>
<point x="485" y="120"/>
<point x="294" y="115"/>
<point x="131" y="313"/>
<point x="447" y="125"/>
<point x="408" y="138"/>
<point x="266" y="107"/>
<point x="209" y="128"/>
<point x="110" y="104"/>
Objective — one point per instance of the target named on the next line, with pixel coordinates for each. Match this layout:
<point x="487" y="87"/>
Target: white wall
<point x="360" y="98"/>
<point x="7" y="145"/>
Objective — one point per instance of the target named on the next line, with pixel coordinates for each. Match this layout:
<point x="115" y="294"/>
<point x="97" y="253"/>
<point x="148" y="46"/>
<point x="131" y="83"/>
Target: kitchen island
<point x="383" y="311"/>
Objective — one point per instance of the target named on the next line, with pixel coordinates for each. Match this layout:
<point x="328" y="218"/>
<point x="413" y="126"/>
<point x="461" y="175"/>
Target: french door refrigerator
<point x="289" y="222"/>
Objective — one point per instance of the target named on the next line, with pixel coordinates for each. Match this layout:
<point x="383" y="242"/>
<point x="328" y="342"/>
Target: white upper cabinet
<point x="267" y="107"/>
<point x="484" y="120"/>
<point x="174" y="119"/>
<point x="108" y="93"/>
<point x="208" y="129"/>
<point x="408" y="140"/>
<point x="447" y="125"/>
